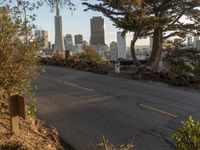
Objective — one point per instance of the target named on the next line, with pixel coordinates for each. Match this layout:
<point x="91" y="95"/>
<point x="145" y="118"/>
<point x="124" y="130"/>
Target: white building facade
<point x="113" y="51"/>
<point x="68" y="40"/>
<point x="121" y="46"/>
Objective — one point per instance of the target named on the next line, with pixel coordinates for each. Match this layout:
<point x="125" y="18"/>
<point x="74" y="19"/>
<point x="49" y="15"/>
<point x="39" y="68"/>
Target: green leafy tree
<point x="188" y="136"/>
<point x="161" y="19"/>
<point x="18" y="52"/>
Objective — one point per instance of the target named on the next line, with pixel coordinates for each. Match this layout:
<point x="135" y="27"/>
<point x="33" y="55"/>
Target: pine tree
<point x="161" y="19"/>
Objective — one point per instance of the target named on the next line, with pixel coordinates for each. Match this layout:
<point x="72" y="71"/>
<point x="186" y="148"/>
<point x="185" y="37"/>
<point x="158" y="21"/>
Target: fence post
<point x="17" y="109"/>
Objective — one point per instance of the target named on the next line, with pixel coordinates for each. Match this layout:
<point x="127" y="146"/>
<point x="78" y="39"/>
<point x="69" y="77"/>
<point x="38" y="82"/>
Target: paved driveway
<point x="85" y="106"/>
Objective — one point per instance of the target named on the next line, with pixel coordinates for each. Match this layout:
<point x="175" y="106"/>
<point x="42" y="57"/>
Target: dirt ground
<point x="34" y="134"/>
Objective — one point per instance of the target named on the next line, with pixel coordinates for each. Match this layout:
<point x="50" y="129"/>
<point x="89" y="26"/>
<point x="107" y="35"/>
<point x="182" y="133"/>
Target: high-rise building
<point x="43" y="36"/>
<point x="59" y="41"/>
<point x="97" y="31"/>
<point x="196" y="38"/>
<point x="113" y="51"/>
<point x="78" y="39"/>
<point x="45" y="39"/>
<point x="121" y="46"/>
<point x="68" y="42"/>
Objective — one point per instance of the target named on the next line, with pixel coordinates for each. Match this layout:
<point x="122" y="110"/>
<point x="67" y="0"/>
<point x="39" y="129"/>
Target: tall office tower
<point x="59" y="42"/>
<point x="68" y="42"/>
<point x="121" y="46"/>
<point x="189" y="41"/>
<point x="196" y="38"/>
<point x="113" y="51"/>
<point x="43" y="36"/>
<point x="78" y="39"/>
<point x="44" y="39"/>
<point x="97" y="31"/>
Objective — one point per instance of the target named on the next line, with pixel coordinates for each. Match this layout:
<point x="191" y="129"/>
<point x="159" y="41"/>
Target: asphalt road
<point x="85" y="106"/>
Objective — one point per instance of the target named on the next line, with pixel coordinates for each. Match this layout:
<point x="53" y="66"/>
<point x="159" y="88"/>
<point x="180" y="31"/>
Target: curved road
<point x="85" y="106"/>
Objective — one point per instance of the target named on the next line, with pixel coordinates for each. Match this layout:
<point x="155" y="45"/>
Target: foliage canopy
<point x="18" y="53"/>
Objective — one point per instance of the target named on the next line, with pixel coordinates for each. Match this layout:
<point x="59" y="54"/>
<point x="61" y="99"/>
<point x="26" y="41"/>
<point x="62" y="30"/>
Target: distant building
<point x="128" y="54"/>
<point x="68" y="42"/>
<point x="196" y="38"/>
<point x="97" y="31"/>
<point x="121" y="46"/>
<point x="78" y="48"/>
<point x="113" y="51"/>
<point x="43" y="36"/>
<point x="142" y="52"/>
<point x="59" y="41"/>
<point x="78" y="39"/>
<point x="102" y="50"/>
<point x="85" y="44"/>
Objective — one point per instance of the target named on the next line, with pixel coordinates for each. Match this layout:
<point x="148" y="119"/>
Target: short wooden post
<point x="17" y="109"/>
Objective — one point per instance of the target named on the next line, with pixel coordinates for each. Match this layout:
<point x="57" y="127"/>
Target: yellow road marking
<point x="158" y="110"/>
<point x="72" y="84"/>
<point x="78" y="86"/>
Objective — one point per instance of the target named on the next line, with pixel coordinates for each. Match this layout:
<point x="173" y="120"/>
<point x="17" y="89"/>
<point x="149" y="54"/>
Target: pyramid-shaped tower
<point x="59" y="41"/>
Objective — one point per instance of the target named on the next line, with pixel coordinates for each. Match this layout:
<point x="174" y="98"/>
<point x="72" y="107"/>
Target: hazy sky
<point x="78" y="22"/>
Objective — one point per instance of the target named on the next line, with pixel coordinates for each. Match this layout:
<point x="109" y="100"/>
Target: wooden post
<point x="17" y="109"/>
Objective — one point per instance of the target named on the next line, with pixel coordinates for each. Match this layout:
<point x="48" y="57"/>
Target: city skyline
<point x="78" y="23"/>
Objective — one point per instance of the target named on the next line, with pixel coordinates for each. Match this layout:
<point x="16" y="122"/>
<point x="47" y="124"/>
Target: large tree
<point x="161" y="19"/>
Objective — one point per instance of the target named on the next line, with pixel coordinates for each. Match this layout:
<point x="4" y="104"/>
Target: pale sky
<point x="78" y="22"/>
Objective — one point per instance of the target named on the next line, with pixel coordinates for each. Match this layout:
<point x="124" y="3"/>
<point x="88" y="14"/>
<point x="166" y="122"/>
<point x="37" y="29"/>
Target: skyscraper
<point x="68" y="42"/>
<point x="113" y="51"/>
<point x="78" y="39"/>
<point x="43" y="36"/>
<point x="44" y="39"/>
<point x="97" y="31"/>
<point x="59" y="42"/>
<point x="121" y="46"/>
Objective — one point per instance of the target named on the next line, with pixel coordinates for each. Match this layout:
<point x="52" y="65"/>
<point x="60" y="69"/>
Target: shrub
<point x="18" y="52"/>
<point x="89" y="54"/>
<point x="105" y="145"/>
<point x="188" y="136"/>
<point x="184" y="60"/>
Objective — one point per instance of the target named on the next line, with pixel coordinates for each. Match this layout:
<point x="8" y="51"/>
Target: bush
<point x="18" y="53"/>
<point x="188" y="136"/>
<point x="184" y="61"/>
<point x="89" y="54"/>
<point x="105" y="145"/>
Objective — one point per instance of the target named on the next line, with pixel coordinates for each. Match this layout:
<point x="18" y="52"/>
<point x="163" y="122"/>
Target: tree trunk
<point x="157" y="47"/>
<point x="133" y="54"/>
